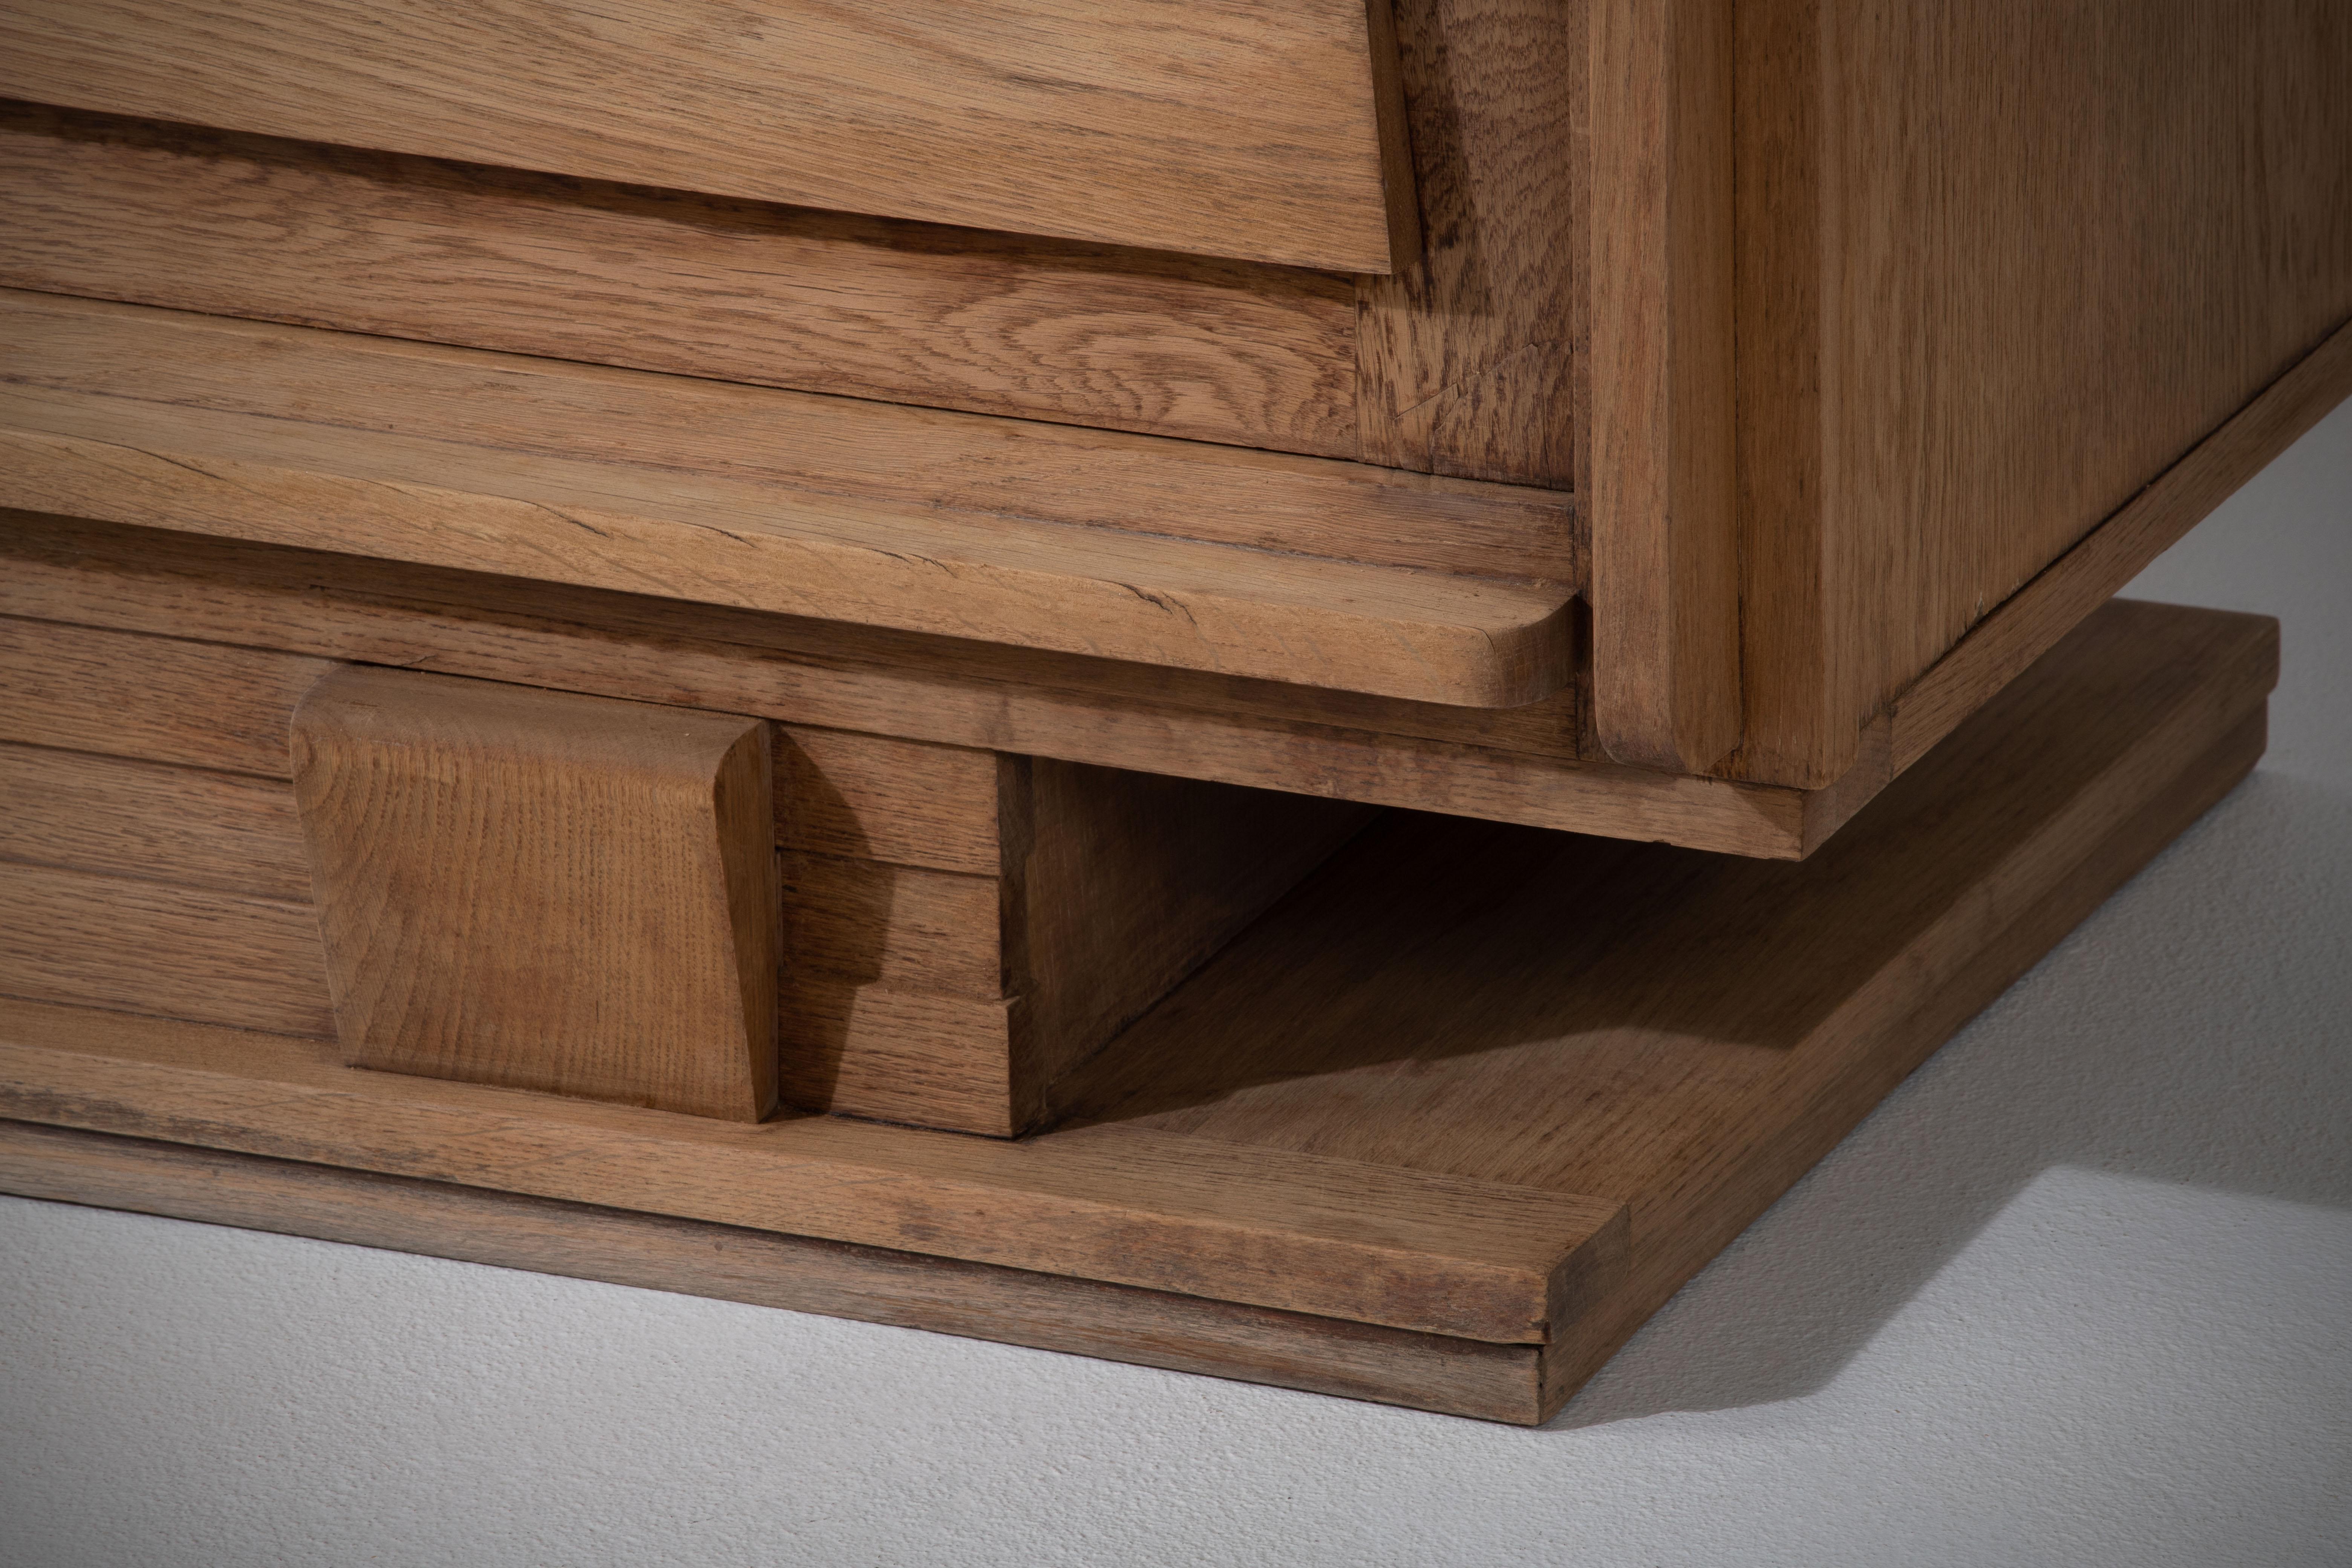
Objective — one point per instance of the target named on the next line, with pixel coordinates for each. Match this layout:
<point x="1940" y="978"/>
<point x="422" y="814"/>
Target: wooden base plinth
<point x="1441" y="1130"/>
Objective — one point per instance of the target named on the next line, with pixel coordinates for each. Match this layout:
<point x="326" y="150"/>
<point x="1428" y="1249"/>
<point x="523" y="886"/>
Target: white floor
<point x="2081" y="1293"/>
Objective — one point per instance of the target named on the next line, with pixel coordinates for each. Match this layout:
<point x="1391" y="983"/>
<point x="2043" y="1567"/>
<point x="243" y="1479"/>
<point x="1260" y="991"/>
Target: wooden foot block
<point x="1442" y="1129"/>
<point x="544" y="890"/>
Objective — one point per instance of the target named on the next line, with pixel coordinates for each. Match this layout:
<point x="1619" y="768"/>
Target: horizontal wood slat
<point x="192" y="826"/>
<point x="1222" y="127"/>
<point x="418" y="247"/>
<point x="619" y="478"/>
<point x="1078" y="1317"/>
<point x="1157" y="721"/>
<point x="1403" y="1248"/>
<point x="898" y="927"/>
<point x="175" y="952"/>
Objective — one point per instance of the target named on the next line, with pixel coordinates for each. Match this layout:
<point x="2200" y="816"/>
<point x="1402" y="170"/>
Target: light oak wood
<point x="161" y="700"/>
<point x="1997" y="273"/>
<point x="1361" y="1109"/>
<point x="1126" y="882"/>
<point x="624" y="480"/>
<point x="1078" y="1317"/>
<point x="899" y="926"/>
<point x="1395" y="1247"/>
<point x="2031" y="621"/>
<point x="233" y="225"/>
<point x="544" y="890"/>
<point x="145" y="946"/>
<point x="1223" y="127"/>
<point x="192" y="826"/>
<point x="1466" y="356"/>
<point x="1161" y="723"/>
<point x="1664" y="585"/>
<point x="868" y="797"/>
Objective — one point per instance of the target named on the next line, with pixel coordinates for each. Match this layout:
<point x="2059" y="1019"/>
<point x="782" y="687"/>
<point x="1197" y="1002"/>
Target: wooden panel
<point x="1079" y="1317"/>
<point x="1997" y="273"/>
<point x="2032" y="621"/>
<point x="1128" y="882"/>
<point x="898" y="927"/>
<point x="180" y="953"/>
<point x="922" y="1059"/>
<point x="620" y="478"/>
<point x="868" y="797"/>
<point x="1395" y="1248"/>
<point x="1224" y="128"/>
<point x="192" y="826"/>
<point x="545" y="890"/>
<point x="165" y="699"/>
<point x="416" y="247"/>
<point x="1660" y="508"/>
<point x="1466" y="355"/>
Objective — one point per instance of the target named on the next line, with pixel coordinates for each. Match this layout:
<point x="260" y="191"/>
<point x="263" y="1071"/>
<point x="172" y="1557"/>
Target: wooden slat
<point x="1184" y="1333"/>
<point x="165" y="699"/>
<point x="1662" y="511"/>
<point x="921" y="1059"/>
<point x="972" y="696"/>
<point x="899" y="926"/>
<point x="619" y="478"/>
<point x="416" y="248"/>
<point x="1225" y="128"/>
<point x="1465" y="358"/>
<point x="1078" y="1317"/>
<point x="179" y="953"/>
<point x="1400" y="1249"/>
<point x="870" y="797"/>
<point x="1997" y="274"/>
<point x="192" y="826"/>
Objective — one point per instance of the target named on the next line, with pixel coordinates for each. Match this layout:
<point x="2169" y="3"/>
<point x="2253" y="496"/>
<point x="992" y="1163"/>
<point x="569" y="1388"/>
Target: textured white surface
<point x="2079" y="1292"/>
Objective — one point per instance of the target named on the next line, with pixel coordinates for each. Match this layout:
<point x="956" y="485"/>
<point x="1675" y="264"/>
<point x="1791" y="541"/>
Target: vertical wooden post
<point x="1663" y="502"/>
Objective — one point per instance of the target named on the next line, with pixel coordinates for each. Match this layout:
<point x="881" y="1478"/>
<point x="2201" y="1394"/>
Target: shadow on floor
<point x="2197" y="1029"/>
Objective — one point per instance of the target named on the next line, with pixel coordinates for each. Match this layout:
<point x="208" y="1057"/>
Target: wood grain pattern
<point x="544" y="890"/>
<point x="1223" y="128"/>
<point x="624" y="480"/>
<point x="164" y="699"/>
<point x="971" y="695"/>
<point x="1360" y="1109"/>
<point x="1078" y="1317"/>
<point x="1128" y="883"/>
<point x="1996" y="275"/>
<point x="180" y="953"/>
<point x="899" y="927"/>
<point x="1395" y="1247"/>
<point x="1661" y="509"/>
<point x="1465" y="357"/>
<point x="870" y="797"/>
<point x="416" y="248"/>
<point x="2031" y="621"/>
<point x="192" y="826"/>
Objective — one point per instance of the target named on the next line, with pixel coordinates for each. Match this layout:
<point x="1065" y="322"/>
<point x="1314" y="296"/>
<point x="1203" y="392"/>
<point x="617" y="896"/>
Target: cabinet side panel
<point x="2018" y="264"/>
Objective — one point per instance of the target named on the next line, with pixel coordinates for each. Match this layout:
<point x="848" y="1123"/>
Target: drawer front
<point x="1266" y="131"/>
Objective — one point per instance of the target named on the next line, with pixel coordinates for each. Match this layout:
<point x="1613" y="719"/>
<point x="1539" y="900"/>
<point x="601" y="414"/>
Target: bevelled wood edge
<point x="1263" y="1227"/>
<point x="730" y="1263"/>
<point x="607" y="478"/>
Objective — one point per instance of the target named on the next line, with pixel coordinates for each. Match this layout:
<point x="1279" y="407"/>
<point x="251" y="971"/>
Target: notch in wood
<point x="544" y="890"/>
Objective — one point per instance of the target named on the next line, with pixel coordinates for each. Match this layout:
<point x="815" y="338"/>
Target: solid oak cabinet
<point x="576" y="574"/>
